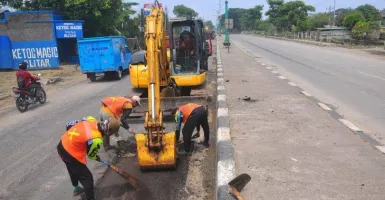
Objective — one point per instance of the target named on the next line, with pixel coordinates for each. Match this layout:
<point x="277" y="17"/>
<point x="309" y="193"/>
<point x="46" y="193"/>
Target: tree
<point x="265" y="26"/>
<point x="341" y="14"/>
<point x="361" y="30"/>
<point x="235" y="14"/>
<point x="183" y="11"/>
<point x="209" y="24"/>
<point x="370" y="12"/>
<point x="351" y="19"/>
<point x="248" y="19"/>
<point x="275" y="17"/>
<point x="319" y="20"/>
<point x="289" y="15"/>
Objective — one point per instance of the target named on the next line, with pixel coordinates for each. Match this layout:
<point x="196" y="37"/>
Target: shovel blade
<point x="240" y="182"/>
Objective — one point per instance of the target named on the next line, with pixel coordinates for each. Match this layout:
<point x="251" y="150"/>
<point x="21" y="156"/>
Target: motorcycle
<point x="23" y="97"/>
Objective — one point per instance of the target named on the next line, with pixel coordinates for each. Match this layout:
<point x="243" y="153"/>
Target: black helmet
<point x="23" y="65"/>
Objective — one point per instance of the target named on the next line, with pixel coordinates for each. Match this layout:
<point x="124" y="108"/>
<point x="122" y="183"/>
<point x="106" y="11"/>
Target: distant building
<point x="41" y="38"/>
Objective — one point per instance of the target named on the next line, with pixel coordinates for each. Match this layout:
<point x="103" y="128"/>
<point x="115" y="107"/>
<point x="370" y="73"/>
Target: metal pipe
<point x="153" y="101"/>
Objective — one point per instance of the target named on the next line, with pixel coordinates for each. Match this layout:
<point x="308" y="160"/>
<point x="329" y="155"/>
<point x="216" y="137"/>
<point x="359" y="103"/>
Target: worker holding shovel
<point x="81" y="139"/>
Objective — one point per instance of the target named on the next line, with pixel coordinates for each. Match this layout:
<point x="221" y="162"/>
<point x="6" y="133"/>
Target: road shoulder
<point x="292" y="147"/>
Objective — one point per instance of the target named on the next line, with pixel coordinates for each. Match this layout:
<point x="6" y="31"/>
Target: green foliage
<point x="289" y="15"/>
<point x="235" y="14"/>
<point x="351" y="19"/>
<point x="361" y="30"/>
<point x="183" y="11"/>
<point x="319" y="20"/>
<point x="341" y="14"/>
<point x="249" y="18"/>
<point x="243" y="19"/>
<point x="370" y="12"/>
<point x="102" y="17"/>
<point x="265" y="26"/>
<point x="209" y="24"/>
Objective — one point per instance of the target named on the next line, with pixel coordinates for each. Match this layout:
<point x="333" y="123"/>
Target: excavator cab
<point x="187" y="51"/>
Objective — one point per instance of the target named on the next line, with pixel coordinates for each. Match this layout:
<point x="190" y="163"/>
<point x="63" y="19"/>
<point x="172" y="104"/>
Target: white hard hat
<point x="137" y="99"/>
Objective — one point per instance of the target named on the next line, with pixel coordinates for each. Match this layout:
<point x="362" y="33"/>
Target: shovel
<point x="237" y="184"/>
<point x="132" y="180"/>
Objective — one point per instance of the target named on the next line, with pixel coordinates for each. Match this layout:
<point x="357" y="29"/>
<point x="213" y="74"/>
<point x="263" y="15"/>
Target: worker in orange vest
<point x="192" y="116"/>
<point x="118" y="108"/>
<point x="84" y="138"/>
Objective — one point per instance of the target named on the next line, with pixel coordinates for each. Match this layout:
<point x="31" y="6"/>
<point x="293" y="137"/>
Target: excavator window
<point x="185" y="46"/>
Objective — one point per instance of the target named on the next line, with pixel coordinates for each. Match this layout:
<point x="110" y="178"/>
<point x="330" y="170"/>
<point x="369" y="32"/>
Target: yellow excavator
<point x="156" y="148"/>
<point x="187" y="57"/>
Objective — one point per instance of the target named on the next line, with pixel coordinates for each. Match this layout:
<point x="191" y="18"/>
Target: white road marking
<point x="281" y="77"/>
<point x="372" y="75"/>
<point x="292" y="84"/>
<point x="350" y="125"/>
<point x="223" y="112"/>
<point x="226" y="171"/>
<point x="221" y="87"/>
<point x="293" y="159"/>
<point x="325" y="107"/>
<point x="306" y="94"/>
<point x="274" y="72"/>
<point x="268" y="68"/>
<point x="263" y="64"/>
<point x="381" y="148"/>
<point x="221" y="80"/>
<point x="220" y="74"/>
<point x="221" y="97"/>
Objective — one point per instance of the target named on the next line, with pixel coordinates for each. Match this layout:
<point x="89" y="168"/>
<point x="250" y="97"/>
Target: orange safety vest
<point x="187" y="110"/>
<point x="115" y="105"/>
<point x="75" y="140"/>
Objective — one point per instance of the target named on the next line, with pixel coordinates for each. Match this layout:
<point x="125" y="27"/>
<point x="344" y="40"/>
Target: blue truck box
<point x="108" y="56"/>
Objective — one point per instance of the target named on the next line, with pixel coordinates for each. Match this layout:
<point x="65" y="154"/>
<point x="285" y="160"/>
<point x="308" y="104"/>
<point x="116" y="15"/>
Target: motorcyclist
<point x="25" y="80"/>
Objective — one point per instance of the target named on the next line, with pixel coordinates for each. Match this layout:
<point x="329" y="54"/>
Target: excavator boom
<point x="156" y="149"/>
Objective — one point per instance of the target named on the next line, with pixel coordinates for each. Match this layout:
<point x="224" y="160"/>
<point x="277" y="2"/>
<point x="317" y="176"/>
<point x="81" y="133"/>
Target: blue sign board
<point x="38" y="54"/>
<point x="69" y="30"/>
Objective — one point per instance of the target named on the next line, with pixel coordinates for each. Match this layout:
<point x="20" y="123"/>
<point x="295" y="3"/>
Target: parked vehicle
<point x="23" y="97"/>
<point x="107" y="56"/>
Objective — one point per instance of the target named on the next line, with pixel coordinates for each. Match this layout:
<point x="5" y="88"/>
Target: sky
<point x="208" y="8"/>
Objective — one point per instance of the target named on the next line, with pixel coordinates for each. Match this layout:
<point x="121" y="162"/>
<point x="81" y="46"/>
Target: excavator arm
<point x="156" y="149"/>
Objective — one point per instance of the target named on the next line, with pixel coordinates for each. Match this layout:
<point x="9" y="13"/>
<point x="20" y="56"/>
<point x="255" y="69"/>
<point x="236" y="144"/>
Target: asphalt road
<point x="350" y="81"/>
<point x="31" y="169"/>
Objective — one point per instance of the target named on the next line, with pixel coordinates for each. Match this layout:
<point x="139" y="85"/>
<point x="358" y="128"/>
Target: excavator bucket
<point x="163" y="159"/>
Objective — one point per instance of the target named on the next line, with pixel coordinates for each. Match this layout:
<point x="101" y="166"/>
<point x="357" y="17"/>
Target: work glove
<point x="98" y="158"/>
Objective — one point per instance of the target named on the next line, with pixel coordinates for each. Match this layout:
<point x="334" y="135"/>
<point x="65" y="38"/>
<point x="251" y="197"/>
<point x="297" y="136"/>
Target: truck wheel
<point x="92" y="77"/>
<point x="119" y="74"/>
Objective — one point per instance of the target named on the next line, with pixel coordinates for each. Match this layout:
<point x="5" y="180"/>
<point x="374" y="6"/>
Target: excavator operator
<point x="187" y="43"/>
<point x="192" y="116"/>
<point x="118" y="108"/>
<point x="84" y="138"/>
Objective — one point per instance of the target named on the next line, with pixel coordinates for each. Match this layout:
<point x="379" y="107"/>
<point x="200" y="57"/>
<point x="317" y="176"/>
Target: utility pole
<point x="226" y="43"/>
<point x="334" y="14"/>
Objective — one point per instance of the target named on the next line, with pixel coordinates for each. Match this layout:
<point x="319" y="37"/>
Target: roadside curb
<point x="225" y="151"/>
<point x="332" y="112"/>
